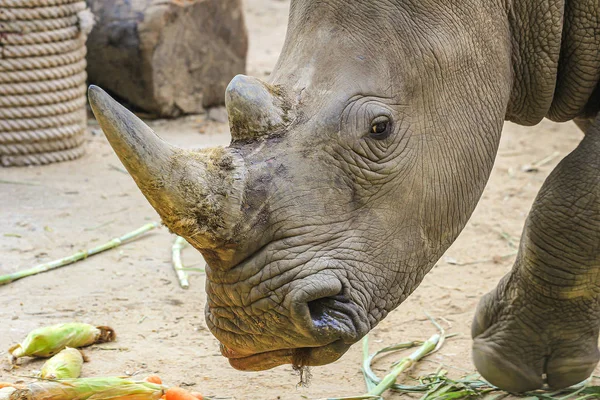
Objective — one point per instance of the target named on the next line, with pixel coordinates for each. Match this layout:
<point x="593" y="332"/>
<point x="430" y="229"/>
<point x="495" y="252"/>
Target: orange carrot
<point x="177" y="393"/>
<point x="154" y="379"/>
<point x="197" y="395"/>
<point x="13" y="385"/>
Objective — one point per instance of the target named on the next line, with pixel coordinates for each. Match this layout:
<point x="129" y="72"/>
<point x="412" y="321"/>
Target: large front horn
<point x="198" y="194"/>
<point x="143" y="153"/>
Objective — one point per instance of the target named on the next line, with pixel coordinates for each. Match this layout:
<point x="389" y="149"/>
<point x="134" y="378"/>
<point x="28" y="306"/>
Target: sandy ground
<point x="53" y="211"/>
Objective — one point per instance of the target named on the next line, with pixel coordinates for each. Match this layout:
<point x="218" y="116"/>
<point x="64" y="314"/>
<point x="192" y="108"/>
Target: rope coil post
<point x="43" y="113"/>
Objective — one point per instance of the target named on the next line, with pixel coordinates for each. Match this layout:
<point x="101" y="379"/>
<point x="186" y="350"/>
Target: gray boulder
<point x="167" y="58"/>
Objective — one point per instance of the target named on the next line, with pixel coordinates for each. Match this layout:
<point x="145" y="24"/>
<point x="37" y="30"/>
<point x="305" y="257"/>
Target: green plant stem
<point x="427" y="347"/>
<point x="366" y="363"/>
<point x="182" y="275"/>
<point x="81" y="255"/>
<point x="10" y="182"/>
<point x="368" y="359"/>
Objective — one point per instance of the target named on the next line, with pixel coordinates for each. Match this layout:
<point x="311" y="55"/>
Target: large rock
<point x="167" y="57"/>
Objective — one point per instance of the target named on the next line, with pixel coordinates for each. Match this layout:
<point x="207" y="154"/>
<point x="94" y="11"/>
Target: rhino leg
<point x="539" y="326"/>
<point x="583" y="123"/>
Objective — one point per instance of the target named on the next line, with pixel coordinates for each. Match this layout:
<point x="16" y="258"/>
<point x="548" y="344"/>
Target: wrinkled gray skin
<point x="314" y="226"/>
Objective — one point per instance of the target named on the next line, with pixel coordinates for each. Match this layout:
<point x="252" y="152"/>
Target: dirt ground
<point x="53" y="211"/>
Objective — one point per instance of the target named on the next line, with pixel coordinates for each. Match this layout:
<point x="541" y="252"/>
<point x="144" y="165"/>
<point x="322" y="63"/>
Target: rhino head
<point x="349" y="172"/>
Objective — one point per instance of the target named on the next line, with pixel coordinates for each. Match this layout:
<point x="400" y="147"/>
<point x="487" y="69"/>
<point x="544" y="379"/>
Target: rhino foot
<point x="523" y="342"/>
<point x="539" y="327"/>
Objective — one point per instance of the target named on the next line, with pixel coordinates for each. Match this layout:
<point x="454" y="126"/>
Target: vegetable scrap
<point x="59" y="377"/>
<point x="154" y="379"/>
<point x="84" y="389"/>
<point x="6" y="392"/>
<point x="150" y="388"/>
<point x="177" y="393"/>
<point x="65" y="365"/>
<point x="48" y="341"/>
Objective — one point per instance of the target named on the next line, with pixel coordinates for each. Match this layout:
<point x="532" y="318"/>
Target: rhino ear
<point x="142" y="152"/>
<point x="255" y="108"/>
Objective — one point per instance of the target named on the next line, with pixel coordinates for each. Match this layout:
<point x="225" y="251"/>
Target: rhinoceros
<point x="359" y="161"/>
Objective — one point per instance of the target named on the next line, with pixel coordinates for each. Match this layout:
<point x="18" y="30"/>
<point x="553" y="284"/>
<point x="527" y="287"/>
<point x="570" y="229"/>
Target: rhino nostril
<point x="319" y="308"/>
<point x="333" y="317"/>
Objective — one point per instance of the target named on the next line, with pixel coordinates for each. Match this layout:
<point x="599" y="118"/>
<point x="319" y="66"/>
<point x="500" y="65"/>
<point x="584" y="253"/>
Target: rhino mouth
<point x="298" y="357"/>
<point x="332" y="324"/>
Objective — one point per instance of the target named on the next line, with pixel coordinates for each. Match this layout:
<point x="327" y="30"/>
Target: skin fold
<point x="360" y="160"/>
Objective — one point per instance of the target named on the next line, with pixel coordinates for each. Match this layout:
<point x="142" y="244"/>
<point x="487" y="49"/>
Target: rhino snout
<point x="321" y="326"/>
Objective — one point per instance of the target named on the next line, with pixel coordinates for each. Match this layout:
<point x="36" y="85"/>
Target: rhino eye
<point x="380" y="128"/>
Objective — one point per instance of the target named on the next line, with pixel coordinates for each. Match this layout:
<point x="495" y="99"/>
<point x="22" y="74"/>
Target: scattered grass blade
<point x="6" y="279"/>
<point x="181" y="273"/>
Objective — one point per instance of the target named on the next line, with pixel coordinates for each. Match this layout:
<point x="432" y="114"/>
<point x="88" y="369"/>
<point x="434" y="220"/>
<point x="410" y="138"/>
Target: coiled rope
<point x="42" y="158"/>
<point x="38" y="25"/>
<point x="34" y="3"/>
<point x="45" y="74"/>
<point x="37" y="12"/>
<point x="62" y="132"/>
<point x="42" y="80"/>
<point x="42" y="147"/>
<point x="24" y="64"/>
<point x="38" y="99"/>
